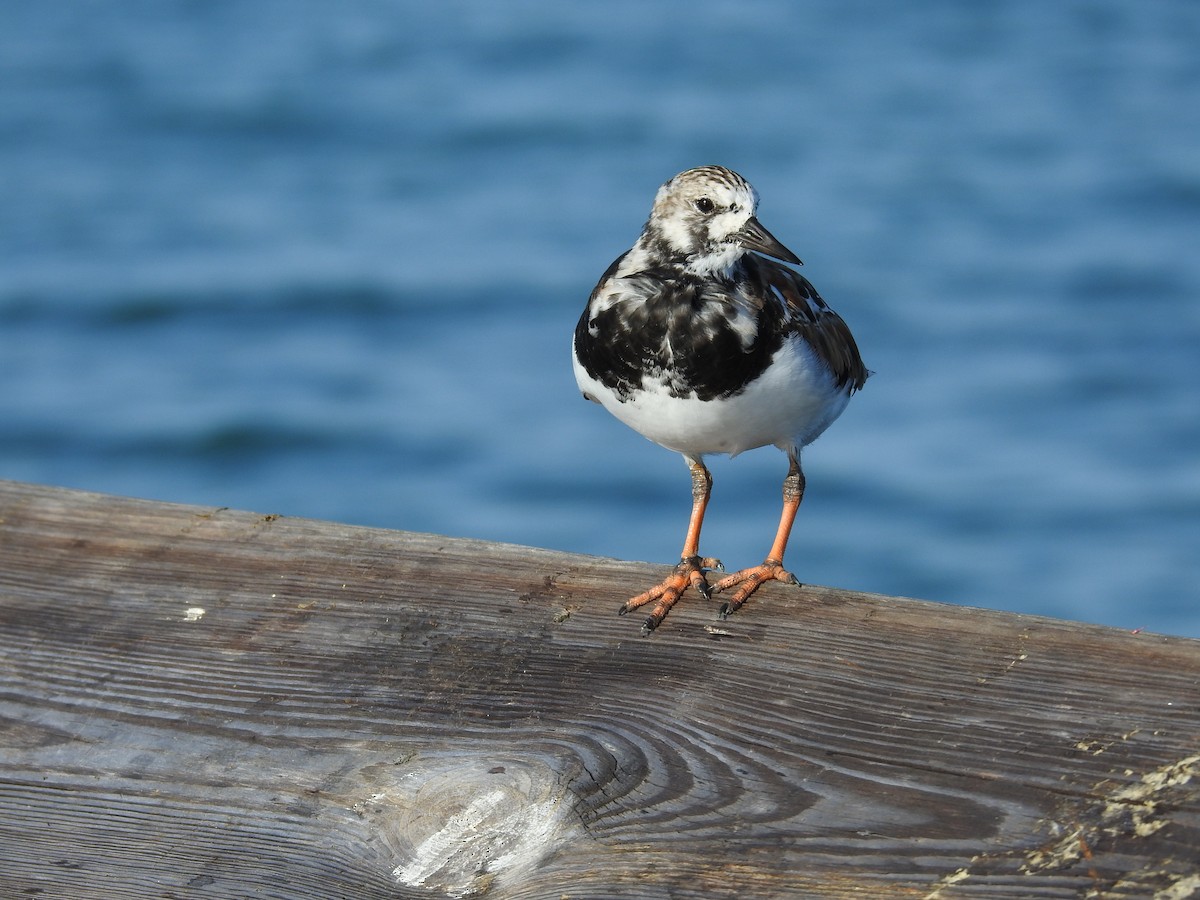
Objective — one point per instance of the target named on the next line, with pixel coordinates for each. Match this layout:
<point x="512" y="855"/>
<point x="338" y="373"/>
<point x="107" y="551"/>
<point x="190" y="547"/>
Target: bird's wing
<point x="807" y="315"/>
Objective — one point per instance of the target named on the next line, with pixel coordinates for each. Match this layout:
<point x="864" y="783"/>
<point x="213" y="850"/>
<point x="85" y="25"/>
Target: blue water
<point x="324" y="260"/>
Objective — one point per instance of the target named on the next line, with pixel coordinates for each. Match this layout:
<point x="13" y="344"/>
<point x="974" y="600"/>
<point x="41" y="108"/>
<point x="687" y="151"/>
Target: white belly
<point x="789" y="405"/>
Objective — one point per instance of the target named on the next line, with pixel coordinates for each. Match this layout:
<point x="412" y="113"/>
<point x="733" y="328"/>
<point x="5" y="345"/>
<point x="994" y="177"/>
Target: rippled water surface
<point x="325" y="259"/>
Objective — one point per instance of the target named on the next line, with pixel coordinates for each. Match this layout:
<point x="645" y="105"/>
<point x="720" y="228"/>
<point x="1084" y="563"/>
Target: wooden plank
<point x="203" y="702"/>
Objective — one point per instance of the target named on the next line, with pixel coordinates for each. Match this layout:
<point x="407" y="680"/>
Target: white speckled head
<point x="706" y="215"/>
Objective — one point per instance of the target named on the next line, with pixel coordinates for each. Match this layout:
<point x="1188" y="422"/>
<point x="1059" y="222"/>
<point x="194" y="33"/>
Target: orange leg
<point x="690" y="570"/>
<point x="747" y="581"/>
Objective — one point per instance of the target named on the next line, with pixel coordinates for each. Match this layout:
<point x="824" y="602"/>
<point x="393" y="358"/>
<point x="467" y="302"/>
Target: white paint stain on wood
<point x="459" y="826"/>
<point x="492" y="836"/>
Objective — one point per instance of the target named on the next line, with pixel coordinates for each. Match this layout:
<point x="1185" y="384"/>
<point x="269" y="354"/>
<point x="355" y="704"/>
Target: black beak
<point x="754" y="237"/>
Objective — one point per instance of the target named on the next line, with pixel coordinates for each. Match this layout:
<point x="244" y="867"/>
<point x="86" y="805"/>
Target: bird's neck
<point x="721" y="261"/>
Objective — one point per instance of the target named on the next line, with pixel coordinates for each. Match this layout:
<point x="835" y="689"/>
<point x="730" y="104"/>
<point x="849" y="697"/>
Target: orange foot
<point x="690" y="571"/>
<point x="751" y="580"/>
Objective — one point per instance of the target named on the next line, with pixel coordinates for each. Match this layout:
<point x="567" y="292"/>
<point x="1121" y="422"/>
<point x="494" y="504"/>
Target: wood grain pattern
<point x="209" y="703"/>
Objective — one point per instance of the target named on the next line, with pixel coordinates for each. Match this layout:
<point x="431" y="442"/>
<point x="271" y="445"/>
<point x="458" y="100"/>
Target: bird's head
<point x="705" y="217"/>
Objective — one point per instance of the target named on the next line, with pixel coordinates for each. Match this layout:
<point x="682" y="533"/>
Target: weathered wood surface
<point x="208" y="703"/>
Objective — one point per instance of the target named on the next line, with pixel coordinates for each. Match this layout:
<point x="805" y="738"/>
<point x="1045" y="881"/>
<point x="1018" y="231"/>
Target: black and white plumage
<point x="699" y="340"/>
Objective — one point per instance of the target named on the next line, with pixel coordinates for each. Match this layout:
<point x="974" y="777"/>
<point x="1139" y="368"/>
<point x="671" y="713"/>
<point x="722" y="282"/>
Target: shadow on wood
<point x="201" y="702"/>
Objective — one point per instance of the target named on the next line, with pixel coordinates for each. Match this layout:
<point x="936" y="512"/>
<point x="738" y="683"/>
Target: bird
<point x="703" y="339"/>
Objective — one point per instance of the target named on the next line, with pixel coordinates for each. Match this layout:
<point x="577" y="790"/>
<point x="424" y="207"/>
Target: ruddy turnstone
<point x="701" y="344"/>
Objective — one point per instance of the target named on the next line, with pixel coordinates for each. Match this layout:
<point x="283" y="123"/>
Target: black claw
<point x="649" y="625"/>
<point x="623" y="610"/>
<point x="705" y="590"/>
<point x="725" y="611"/>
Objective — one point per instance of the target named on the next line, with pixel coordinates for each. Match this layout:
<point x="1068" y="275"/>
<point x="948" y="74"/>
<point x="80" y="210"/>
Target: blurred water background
<point x="324" y="259"/>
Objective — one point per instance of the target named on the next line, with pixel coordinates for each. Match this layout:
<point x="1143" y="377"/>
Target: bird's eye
<point x="705" y="205"/>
